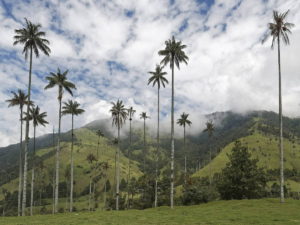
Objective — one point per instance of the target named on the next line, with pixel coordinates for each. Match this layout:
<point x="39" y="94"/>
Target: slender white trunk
<point x="53" y="177"/>
<point x="210" y="173"/>
<point x="57" y="159"/>
<point x="172" y="139"/>
<point x="157" y="152"/>
<point x="280" y="126"/>
<point x="93" y="195"/>
<point x="31" y="195"/>
<point x="144" y="159"/>
<point x="32" y="174"/>
<point x="105" y="193"/>
<point x="72" y="166"/>
<point x="20" y="163"/>
<point x="26" y="139"/>
<point x="129" y="164"/>
<point x="90" y="193"/>
<point x="118" y="168"/>
<point x="184" y="149"/>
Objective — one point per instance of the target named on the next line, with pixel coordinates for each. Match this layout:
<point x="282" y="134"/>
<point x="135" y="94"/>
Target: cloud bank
<point x="109" y="47"/>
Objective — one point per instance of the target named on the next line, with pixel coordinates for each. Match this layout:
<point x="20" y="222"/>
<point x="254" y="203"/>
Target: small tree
<point x="241" y="178"/>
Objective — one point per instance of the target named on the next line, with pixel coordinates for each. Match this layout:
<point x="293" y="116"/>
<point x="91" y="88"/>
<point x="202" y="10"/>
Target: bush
<point x="241" y="178"/>
<point x="198" y="191"/>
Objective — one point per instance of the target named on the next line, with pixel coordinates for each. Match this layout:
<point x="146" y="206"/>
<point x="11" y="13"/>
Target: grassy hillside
<point x="264" y="147"/>
<point x="235" y="212"/>
<point x="86" y="143"/>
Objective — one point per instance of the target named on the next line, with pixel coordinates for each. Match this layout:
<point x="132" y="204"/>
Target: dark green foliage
<point x="198" y="191"/>
<point x="145" y="188"/>
<point x="275" y="190"/>
<point x="108" y="186"/>
<point x="241" y="178"/>
<point x="111" y="202"/>
<point x="123" y="185"/>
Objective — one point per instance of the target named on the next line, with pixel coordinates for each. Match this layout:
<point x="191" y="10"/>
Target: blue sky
<point x="109" y="46"/>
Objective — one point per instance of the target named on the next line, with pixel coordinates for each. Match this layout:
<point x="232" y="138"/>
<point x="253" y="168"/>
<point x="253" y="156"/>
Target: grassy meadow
<point x="239" y="212"/>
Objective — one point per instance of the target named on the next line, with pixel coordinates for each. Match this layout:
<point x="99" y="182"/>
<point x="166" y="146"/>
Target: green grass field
<point x="239" y="212"/>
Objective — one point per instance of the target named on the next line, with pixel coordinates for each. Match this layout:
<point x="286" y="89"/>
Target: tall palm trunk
<point x="210" y="173"/>
<point x="280" y="132"/>
<point x="53" y="178"/>
<point x="20" y="163"/>
<point x="98" y="147"/>
<point x="93" y="195"/>
<point x="144" y="159"/>
<point x="90" y="193"/>
<point x="184" y="149"/>
<point x="129" y="164"/>
<point x="105" y="193"/>
<point x="157" y="150"/>
<point x="172" y="138"/>
<point x="26" y="139"/>
<point x="32" y="174"/>
<point x="118" y="167"/>
<point x="71" y="181"/>
<point x="57" y="157"/>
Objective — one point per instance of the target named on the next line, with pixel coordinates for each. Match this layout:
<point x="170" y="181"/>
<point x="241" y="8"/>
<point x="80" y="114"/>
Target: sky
<point x="109" y="47"/>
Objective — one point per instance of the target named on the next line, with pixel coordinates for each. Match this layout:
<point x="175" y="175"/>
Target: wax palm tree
<point x="131" y="113"/>
<point x="67" y="176"/>
<point x="144" y="116"/>
<point x="19" y="99"/>
<point x="174" y="55"/>
<point x="183" y="121"/>
<point x="59" y="79"/>
<point x="99" y="134"/>
<point x="32" y="38"/>
<point x="157" y="78"/>
<point x="119" y="116"/>
<point x="72" y="108"/>
<point x="210" y="129"/>
<point x="37" y="118"/>
<point x="280" y="29"/>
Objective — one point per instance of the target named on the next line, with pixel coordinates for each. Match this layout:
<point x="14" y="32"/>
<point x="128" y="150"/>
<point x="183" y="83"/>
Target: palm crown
<point x="173" y="53"/>
<point x="279" y="28"/>
<point x="158" y="77"/>
<point x="99" y="133"/>
<point x="131" y="113"/>
<point x="72" y="108"/>
<point x="183" y="120"/>
<point x="60" y="79"/>
<point x="32" y="38"/>
<point x="209" y="128"/>
<point x="144" y="116"/>
<point x="19" y="99"/>
<point x="118" y="113"/>
<point x="36" y="116"/>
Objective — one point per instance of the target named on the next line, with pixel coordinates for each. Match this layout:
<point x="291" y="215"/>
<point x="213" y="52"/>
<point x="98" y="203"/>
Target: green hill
<point x="263" y="145"/>
<point x="258" y="130"/>
<point x="86" y="143"/>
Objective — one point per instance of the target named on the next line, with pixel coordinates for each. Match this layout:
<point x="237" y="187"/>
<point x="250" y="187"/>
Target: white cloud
<point x="228" y="69"/>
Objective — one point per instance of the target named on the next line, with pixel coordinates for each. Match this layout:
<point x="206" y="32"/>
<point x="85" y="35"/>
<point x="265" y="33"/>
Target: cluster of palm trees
<point x="33" y="40"/>
<point x="173" y="54"/>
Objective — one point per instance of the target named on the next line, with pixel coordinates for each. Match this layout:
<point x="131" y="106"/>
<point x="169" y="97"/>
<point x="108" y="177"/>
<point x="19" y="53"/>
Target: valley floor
<point x="263" y="211"/>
